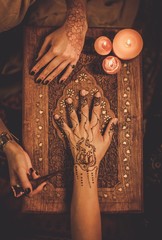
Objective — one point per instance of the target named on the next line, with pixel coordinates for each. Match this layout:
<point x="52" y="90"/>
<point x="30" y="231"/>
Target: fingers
<point x="17" y="190"/>
<point x="24" y="180"/>
<point x="20" y="183"/>
<point x="62" y="125"/>
<point x="84" y="107"/>
<point x="56" y="72"/>
<point x="51" y="70"/>
<point x="110" y="130"/>
<point x="68" y="71"/>
<point x="42" y="63"/>
<point x="43" y="48"/>
<point x="40" y="187"/>
<point x="96" y="110"/>
<point x="72" y="113"/>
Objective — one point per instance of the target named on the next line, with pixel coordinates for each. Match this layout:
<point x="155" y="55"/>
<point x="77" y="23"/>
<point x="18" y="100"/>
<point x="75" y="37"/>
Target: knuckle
<point x="73" y="58"/>
<point x="65" y="55"/>
<point x="54" y="51"/>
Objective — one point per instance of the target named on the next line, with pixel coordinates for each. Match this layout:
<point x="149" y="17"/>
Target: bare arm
<point x="61" y="49"/>
<point x="88" y="147"/>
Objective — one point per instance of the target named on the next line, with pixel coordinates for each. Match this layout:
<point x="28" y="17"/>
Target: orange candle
<point x="103" y="45"/>
<point x="111" y="65"/>
<point x="127" y="44"/>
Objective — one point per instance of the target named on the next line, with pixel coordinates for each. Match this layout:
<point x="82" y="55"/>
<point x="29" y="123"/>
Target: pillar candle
<point x="127" y="44"/>
<point x="103" y="45"/>
<point x="111" y="65"/>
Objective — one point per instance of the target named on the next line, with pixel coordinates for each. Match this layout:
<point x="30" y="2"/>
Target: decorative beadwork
<point x="82" y="77"/>
<point x="105" y="195"/>
<point x="125" y="79"/>
<point x="70" y="92"/>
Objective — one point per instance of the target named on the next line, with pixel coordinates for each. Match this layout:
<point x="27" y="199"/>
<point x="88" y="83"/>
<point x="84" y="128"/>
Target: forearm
<point x="76" y="21"/>
<point x="11" y="144"/>
<point x="85" y="211"/>
<point x="76" y="4"/>
<point x="3" y="128"/>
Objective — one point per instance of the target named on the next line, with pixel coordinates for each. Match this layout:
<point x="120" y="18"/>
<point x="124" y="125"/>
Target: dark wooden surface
<point x="120" y="177"/>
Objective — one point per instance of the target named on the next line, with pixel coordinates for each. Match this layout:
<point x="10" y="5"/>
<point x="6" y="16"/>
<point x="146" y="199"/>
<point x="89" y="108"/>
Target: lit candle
<point x="127" y="44"/>
<point x="103" y="45"/>
<point x="111" y="65"/>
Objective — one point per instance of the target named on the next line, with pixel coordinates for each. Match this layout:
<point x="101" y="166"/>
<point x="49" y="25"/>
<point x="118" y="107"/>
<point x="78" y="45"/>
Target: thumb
<point x="43" y="48"/>
<point x="24" y="181"/>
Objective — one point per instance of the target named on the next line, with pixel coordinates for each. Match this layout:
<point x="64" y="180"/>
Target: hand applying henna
<point x="61" y="49"/>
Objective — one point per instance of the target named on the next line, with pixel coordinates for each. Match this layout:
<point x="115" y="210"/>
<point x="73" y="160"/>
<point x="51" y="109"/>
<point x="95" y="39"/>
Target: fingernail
<point x="27" y="190"/>
<point x="115" y="121"/>
<point x="62" y="81"/>
<point x="37" y="58"/>
<point x="31" y="170"/>
<point x="84" y="92"/>
<point x="36" y="173"/>
<point x="45" y="187"/>
<point x="32" y="73"/>
<point x="38" y="80"/>
<point x="45" y="82"/>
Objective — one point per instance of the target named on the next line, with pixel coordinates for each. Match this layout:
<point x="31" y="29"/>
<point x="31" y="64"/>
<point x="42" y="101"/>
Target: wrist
<point x="11" y="147"/>
<point x="85" y="178"/>
<point x="5" y="138"/>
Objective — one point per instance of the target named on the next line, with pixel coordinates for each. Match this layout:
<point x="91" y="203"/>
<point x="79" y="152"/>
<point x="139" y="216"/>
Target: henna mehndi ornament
<point x="72" y="91"/>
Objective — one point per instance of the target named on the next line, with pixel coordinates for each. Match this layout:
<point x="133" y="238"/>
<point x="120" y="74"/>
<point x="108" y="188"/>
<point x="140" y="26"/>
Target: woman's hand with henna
<point x="87" y="144"/>
<point x="61" y="50"/>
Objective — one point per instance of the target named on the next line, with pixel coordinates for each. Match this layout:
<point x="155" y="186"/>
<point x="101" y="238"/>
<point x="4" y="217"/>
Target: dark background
<point x="146" y="225"/>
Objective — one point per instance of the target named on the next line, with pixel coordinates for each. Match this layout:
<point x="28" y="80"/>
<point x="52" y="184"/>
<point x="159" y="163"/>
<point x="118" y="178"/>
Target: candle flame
<point x="111" y="62"/>
<point x="128" y="43"/>
<point x="104" y="44"/>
